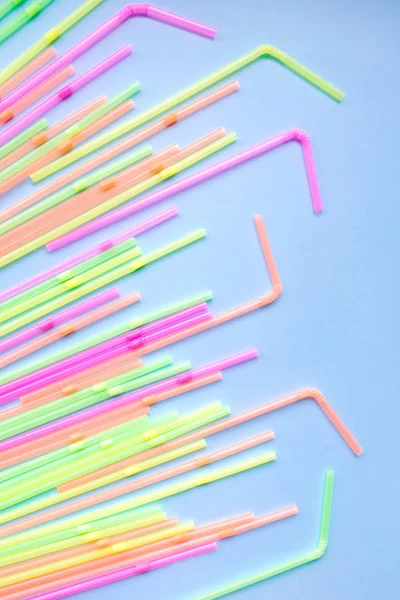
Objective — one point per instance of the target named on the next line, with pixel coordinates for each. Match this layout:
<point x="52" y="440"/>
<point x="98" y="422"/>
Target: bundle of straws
<point x="86" y="417"/>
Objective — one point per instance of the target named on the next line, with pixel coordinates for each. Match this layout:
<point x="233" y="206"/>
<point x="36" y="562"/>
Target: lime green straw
<point x="8" y="6"/>
<point x="48" y="39"/>
<point x="48" y="501"/>
<point x="304" y="559"/>
<point x="119" y="199"/>
<point x="104" y="336"/>
<point x="97" y="393"/>
<point x="87" y="528"/>
<point x="23" y="18"/>
<point x="79" y="540"/>
<point x="23" y="137"/>
<point x="57" y="285"/>
<point x="75" y="188"/>
<point x="69" y="133"/>
<point x="99" y="282"/>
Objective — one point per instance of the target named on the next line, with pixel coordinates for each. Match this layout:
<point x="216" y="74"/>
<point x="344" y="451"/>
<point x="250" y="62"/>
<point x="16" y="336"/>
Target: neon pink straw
<point x="132" y="10"/>
<point x="63" y="94"/>
<point x="103" y="408"/>
<point x="91" y="356"/>
<point x="58" y="319"/>
<point x="90" y="253"/>
<point x="94" y="582"/>
<point x="188" y="182"/>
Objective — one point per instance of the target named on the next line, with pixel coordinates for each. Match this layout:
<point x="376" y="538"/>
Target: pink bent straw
<point x="29" y="69"/>
<point x="132" y="10"/>
<point x="64" y="93"/>
<point x="90" y="253"/>
<point x="58" y="319"/>
<point x="136" y="396"/>
<point x="188" y="182"/>
<point x="104" y="351"/>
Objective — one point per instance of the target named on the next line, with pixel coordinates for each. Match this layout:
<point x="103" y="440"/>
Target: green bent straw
<point x="48" y="38"/>
<point x="23" y="18"/>
<point x="105" y="336"/>
<point x="8" y="6"/>
<point x="306" y="558"/>
<point x="23" y="137"/>
<point x="75" y="188"/>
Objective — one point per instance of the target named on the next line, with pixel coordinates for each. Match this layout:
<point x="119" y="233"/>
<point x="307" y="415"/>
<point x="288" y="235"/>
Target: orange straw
<point x="37" y="93"/>
<point x="66" y="146"/>
<point x="68" y="329"/>
<point x="29" y="69"/>
<point x="89" y="199"/>
<point x="39" y="140"/>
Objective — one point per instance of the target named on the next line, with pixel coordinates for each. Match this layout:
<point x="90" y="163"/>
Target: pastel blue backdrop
<point x="336" y="325"/>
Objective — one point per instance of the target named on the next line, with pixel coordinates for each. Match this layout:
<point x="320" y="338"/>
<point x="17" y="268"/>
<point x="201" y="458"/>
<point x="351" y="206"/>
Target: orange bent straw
<point x="29" y="69"/>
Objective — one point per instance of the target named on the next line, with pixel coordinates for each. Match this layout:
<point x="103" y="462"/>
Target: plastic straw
<point x="8" y="6"/>
<point x="29" y="69"/>
<point x="36" y="94"/>
<point x="100" y="33"/>
<point x="47" y="39"/>
<point x="23" y="18"/>
<point x="284" y="567"/>
<point x="23" y="137"/>
<point x="64" y="93"/>
<point x="90" y="253"/>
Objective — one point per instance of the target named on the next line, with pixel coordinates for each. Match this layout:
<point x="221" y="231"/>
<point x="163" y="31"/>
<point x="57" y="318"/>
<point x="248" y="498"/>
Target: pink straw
<point x="132" y="10"/>
<point x="136" y="396"/>
<point x="94" y="582"/>
<point x="90" y="253"/>
<point x="91" y="356"/>
<point x="188" y="182"/>
<point x="58" y="319"/>
<point x="62" y="94"/>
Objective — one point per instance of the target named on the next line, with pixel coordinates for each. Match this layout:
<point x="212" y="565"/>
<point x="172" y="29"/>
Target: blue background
<point x="335" y="326"/>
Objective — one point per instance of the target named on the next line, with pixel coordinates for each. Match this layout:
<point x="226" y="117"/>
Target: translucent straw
<point x="23" y="18"/>
<point x="29" y="69"/>
<point x="8" y="6"/>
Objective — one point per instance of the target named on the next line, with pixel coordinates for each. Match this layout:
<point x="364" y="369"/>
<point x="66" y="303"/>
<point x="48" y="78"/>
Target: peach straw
<point x="43" y="137"/>
<point x="36" y="94"/>
<point x="65" y="146"/>
<point x="68" y="329"/>
<point x="110" y="153"/>
<point x="28" y="70"/>
<point x="98" y="194"/>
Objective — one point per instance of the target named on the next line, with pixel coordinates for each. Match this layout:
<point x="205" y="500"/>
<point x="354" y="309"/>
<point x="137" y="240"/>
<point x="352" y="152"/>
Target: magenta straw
<point x="90" y="253"/>
<point x="59" y="318"/>
<point x="188" y="182"/>
<point x="92" y="356"/>
<point x="64" y="93"/>
<point x="104" y="407"/>
<point x="94" y="582"/>
<point x="132" y="10"/>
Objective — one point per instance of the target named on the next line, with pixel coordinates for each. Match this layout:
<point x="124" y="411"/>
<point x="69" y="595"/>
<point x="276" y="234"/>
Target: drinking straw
<point x="23" y="137"/>
<point x="42" y="137"/>
<point x="70" y="328"/>
<point x="132" y="124"/>
<point x="23" y="18"/>
<point x="66" y="140"/>
<point x="36" y="94"/>
<point x="76" y="353"/>
<point x="25" y="72"/>
<point x="63" y="94"/>
<point x="105" y="191"/>
<point x="48" y="38"/>
<point x="100" y="33"/>
<point x="89" y="253"/>
<point x="299" y="561"/>
<point x="8" y="6"/>
<point x="59" y="319"/>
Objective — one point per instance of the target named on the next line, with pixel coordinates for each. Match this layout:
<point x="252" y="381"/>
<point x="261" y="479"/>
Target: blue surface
<point x="335" y="326"/>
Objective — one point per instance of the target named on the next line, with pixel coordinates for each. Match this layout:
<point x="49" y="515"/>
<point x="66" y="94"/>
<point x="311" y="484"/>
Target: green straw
<point x="23" y="137"/>
<point x="104" y="336"/>
<point x="69" y="133"/>
<point x="304" y="559"/>
<point x="8" y="6"/>
<point x="42" y="503"/>
<point x="23" y="18"/>
<point x="117" y="200"/>
<point x="43" y="292"/>
<point x="75" y="188"/>
<point x="48" y="39"/>
<point x="99" y="282"/>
